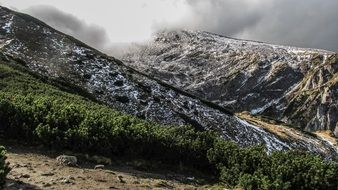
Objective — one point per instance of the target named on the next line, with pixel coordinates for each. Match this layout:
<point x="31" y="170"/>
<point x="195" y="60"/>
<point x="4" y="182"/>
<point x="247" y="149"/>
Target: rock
<point x="99" y="167"/>
<point x="66" y="160"/>
<point x="67" y="179"/>
<point x="48" y="174"/>
<point x="16" y="165"/>
<point x="25" y="176"/>
<point x="110" y="172"/>
<point x="81" y="177"/>
<point x="47" y="185"/>
<point x="120" y="178"/>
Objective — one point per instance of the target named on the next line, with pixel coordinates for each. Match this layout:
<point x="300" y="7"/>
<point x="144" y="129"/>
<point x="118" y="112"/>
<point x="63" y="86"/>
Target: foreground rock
<point x="66" y="160"/>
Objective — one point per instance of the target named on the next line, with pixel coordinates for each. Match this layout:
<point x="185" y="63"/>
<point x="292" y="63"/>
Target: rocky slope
<point x="296" y="85"/>
<point x="48" y="52"/>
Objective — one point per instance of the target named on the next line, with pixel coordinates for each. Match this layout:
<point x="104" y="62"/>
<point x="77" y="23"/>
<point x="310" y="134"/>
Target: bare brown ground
<point x="35" y="168"/>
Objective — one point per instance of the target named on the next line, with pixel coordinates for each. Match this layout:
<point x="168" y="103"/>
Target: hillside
<point x="296" y="85"/>
<point x="37" y="110"/>
<point x="61" y="95"/>
<point x="47" y="52"/>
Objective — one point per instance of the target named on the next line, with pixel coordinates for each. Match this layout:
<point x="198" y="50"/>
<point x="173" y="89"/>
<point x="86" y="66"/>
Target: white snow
<point x="3" y="43"/>
<point x="79" y="51"/>
<point x="225" y="103"/>
<point x="8" y="25"/>
<point x="272" y="143"/>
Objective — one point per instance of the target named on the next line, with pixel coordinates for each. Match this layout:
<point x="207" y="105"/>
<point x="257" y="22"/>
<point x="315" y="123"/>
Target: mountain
<point x="295" y="85"/>
<point x="44" y="51"/>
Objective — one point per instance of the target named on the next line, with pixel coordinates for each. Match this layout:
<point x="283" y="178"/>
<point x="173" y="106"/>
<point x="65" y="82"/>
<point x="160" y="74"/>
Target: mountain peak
<point x="277" y="81"/>
<point x="50" y="53"/>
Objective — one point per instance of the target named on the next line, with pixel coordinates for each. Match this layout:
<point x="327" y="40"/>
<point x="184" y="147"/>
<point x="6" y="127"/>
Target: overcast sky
<point x="101" y="23"/>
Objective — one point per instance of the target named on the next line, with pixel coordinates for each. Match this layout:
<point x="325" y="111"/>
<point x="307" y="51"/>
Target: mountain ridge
<point x="50" y="53"/>
<point x="244" y="75"/>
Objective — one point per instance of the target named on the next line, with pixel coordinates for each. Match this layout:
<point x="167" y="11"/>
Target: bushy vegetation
<point x="4" y="168"/>
<point x="252" y="168"/>
<point x="38" y="112"/>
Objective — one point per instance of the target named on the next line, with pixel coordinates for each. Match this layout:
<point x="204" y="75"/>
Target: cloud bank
<point x="91" y="34"/>
<point x="303" y="23"/>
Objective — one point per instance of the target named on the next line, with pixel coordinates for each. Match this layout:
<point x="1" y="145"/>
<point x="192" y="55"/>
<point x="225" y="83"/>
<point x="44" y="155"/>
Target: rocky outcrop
<point x="296" y="85"/>
<point x="314" y="103"/>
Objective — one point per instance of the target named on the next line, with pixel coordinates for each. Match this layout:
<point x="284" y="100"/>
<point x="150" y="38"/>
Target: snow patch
<point x="8" y="25"/>
<point x="79" y="51"/>
<point x="272" y="143"/>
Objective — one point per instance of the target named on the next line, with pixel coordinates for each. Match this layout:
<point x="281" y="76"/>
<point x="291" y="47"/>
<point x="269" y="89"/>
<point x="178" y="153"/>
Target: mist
<point x="302" y="23"/>
<point x="91" y="34"/>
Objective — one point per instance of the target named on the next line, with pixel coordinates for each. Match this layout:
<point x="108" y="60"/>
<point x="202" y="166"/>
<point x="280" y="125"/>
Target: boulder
<point x="66" y="160"/>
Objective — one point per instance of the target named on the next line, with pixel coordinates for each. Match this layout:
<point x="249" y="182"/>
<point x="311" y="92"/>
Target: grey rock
<point x="66" y="160"/>
<point x="99" y="167"/>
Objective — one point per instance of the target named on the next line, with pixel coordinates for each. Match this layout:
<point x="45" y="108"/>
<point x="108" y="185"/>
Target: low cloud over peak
<point x="91" y="34"/>
<point x="303" y="23"/>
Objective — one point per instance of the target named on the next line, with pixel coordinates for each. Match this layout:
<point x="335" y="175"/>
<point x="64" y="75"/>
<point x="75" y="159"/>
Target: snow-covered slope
<point x="296" y="85"/>
<point x="50" y="53"/>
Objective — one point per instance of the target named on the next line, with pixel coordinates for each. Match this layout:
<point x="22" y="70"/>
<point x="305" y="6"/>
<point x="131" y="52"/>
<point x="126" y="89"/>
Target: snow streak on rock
<point x="296" y="85"/>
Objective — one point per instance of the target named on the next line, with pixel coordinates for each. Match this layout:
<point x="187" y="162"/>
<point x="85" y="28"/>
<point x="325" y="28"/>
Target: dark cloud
<point x="305" y="23"/>
<point x="91" y="34"/>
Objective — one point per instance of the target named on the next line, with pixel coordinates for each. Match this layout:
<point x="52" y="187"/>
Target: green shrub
<point x="252" y="168"/>
<point x="34" y="111"/>
<point x="4" y="166"/>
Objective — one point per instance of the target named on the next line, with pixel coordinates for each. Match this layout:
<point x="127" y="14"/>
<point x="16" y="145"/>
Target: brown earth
<point x="37" y="168"/>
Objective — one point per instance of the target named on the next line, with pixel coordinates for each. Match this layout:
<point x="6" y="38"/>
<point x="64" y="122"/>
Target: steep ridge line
<point x="52" y="54"/>
<point x="243" y="75"/>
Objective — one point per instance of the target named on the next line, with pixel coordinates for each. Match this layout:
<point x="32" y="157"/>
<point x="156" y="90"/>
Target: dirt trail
<point x="36" y="169"/>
